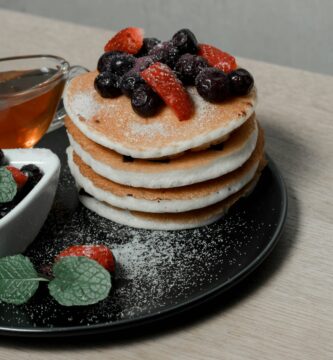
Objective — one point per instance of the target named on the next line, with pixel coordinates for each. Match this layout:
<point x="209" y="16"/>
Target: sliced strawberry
<point x="163" y="81"/>
<point x="19" y="177"/>
<point x="217" y="58"/>
<point x="100" y="253"/>
<point x="129" y="40"/>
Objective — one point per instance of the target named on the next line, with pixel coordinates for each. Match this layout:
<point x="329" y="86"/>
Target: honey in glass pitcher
<point x="30" y="90"/>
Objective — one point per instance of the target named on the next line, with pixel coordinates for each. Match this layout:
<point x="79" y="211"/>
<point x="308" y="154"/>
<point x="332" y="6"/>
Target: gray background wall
<point x="297" y="33"/>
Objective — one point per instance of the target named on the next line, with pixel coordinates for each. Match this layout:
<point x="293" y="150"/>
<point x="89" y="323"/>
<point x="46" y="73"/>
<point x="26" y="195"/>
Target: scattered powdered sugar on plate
<point x="155" y="270"/>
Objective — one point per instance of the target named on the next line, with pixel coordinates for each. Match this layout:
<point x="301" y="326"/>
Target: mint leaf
<point x="79" y="281"/>
<point x="8" y="187"/>
<point x="18" y="279"/>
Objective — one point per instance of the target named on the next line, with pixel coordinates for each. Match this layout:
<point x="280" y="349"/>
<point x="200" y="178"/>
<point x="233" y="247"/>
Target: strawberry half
<point x="128" y="40"/>
<point x="100" y="253"/>
<point x="217" y="58"/>
<point x="163" y="81"/>
<point x="19" y="177"/>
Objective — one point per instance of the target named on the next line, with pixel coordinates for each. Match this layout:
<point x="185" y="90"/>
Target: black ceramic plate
<point x="159" y="273"/>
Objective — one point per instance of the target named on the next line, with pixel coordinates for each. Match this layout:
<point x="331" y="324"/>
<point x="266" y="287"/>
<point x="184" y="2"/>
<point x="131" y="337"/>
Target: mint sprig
<point x="8" y="187"/>
<point x="77" y="281"/>
<point x="18" y="279"/>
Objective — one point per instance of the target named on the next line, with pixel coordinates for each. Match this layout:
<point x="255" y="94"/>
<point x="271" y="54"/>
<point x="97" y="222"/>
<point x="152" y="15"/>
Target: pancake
<point x="192" y="167"/>
<point x="177" y="199"/>
<point x="168" y="221"/>
<point x="113" y="123"/>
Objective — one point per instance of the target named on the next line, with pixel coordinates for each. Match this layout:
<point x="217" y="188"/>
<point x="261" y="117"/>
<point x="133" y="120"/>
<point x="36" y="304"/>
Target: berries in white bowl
<point x="28" y="184"/>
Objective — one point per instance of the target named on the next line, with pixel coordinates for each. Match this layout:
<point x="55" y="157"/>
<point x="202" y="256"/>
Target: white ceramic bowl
<point x="22" y="224"/>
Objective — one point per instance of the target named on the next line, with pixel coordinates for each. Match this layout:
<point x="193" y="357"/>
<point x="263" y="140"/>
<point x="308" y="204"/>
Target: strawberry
<point x="217" y="58"/>
<point x="100" y="253"/>
<point x="19" y="177"/>
<point x="128" y="40"/>
<point x="164" y="81"/>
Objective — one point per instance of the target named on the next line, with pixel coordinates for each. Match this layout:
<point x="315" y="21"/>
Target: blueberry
<point x="2" y="158"/>
<point x="148" y="44"/>
<point x="130" y="81"/>
<point x="188" y="67"/>
<point x="165" y="53"/>
<point x="241" y="82"/>
<point x="5" y="208"/>
<point x="145" y="102"/>
<point x="143" y="63"/>
<point x="33" y="173"/>
<point x="116" y="62"/>
<point x="32" y="169"/>
<point x="121" y="64"/>
<point x="213" y="84"/>
<point x="105" y="60"/>
<point x="185" y="41"/>
<point x="108" y="84"/>
<point x="22" y="193"/>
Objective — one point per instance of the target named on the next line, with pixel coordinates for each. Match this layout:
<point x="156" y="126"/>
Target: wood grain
<point x="284" y="310"/>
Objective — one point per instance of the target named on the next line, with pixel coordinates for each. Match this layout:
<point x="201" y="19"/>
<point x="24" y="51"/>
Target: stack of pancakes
<point x="159" y="172"/>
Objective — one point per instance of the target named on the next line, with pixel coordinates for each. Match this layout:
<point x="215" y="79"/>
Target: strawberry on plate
<point x="163" y="81"/>
<point x="128" y="40"/>
<point x="19" y="177"/>
<point x="100" y="253"/>
<point x="217" y="58"/>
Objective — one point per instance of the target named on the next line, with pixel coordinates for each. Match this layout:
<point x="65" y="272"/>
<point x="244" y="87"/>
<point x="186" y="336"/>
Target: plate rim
<point x="54" y="332"/>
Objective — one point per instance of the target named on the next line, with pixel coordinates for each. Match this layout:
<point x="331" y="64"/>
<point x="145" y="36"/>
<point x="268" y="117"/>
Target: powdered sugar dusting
<point x="150" y="129"/>
<point x="202" y="107"/>
<point x="155" y="269"/>
<point x="84" y="101"/>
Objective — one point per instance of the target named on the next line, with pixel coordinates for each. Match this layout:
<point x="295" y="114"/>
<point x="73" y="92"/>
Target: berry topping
<point x="2" y="158"/>
<point x="19" y="177"/>
<point x="128" y="40"/>
<point x="130" y="81"/>
<point x="116" y="62"/>
<point x="143" y="63"/>
<point x="164" y="81"/>
<point x="188" y="67"/>
<point x="100" y="253"/>
<point x="241" y="82"/>
<point x="213" y="84"/>
<point x="160" y="70"/>
<point x="103" y="63"/>
<point x="145" y="101"/>
<point x="148" y="44"/>
<point x="165" y="53"/>
<point x="217" y="58"/>
<point x="185" y="41"/>
<point x="107" y="84"/>
<point x="33" y="173"/>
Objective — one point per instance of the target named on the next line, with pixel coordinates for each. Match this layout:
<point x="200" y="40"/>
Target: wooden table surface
<point x="285" y="309"/>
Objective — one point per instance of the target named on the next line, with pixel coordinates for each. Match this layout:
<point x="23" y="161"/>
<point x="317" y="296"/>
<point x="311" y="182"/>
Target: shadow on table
<point x="234" y="297"/>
